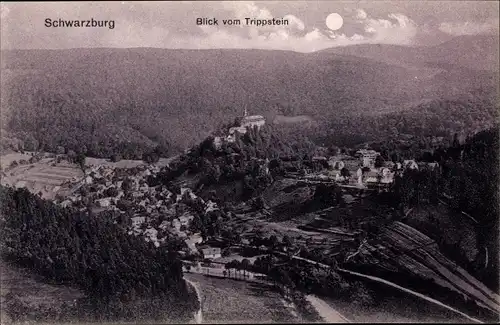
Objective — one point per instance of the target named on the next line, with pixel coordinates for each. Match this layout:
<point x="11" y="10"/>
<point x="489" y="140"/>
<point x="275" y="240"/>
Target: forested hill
<point x="98" y="99"/>
<point x="470" y="52"/>
<point x="468" y="184"/>
<point x="116" y="271"/>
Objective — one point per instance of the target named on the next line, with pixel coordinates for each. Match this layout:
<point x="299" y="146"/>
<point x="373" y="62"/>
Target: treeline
<point x="471" y="112"/>
<point x="59" y="120"/>
<point x="97" y="98"/>
<point x="93" y="253"/>
<point x="467" y="180"/>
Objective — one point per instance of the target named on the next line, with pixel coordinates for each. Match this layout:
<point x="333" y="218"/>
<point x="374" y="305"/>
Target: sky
<point x="173" y="24"/>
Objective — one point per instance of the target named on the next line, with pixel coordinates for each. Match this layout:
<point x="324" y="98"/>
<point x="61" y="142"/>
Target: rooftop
<point x="253" y="118"/>
<point x="211" y="250"/>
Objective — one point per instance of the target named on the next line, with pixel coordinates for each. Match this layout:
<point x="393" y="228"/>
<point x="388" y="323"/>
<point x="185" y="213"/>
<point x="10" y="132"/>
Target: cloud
<point x="397" y="29"/>
<point x="469" y="28"/>
<point x="314" y="35"/>
<point x="173" y="25"/>
<point x="295" y="22"/>
<point x="361" y="14"/>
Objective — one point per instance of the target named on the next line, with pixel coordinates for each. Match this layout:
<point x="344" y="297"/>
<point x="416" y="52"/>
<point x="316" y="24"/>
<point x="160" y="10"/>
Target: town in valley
<point x="327" y="175"/>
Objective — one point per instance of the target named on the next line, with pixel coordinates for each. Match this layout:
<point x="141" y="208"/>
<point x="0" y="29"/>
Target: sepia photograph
<point x="224" y="162"/>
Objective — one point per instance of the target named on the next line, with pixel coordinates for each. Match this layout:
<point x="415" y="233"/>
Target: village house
<point x="433" y="165"/>
<point x="410" y="164"/>
<point x="151" y="234"/>
<point x="176" y="224"/>
<point x="367" y="157"/>
<point x="211" y="206"/>
<point x="211" y="252"/>
<point x="192" y="241"/>
<point x="389" y="164"/>
<point x="232" y="132"/>
<point x="104" y="203"/>
<point x="336" y="164"/>
<point x="137" y="222"/>
<point x="217" y="142"/>
<point x="185" y="219"/>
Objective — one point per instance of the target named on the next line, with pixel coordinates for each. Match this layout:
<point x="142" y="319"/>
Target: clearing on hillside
<point x="231" y="301"/>
<point x="45" y="176"/>
<point x="29" y="290"/>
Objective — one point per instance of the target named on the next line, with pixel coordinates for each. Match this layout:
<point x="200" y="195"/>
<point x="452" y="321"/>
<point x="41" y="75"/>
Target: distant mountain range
<point x="180" y="96"/>
<point x="469" y="52"/>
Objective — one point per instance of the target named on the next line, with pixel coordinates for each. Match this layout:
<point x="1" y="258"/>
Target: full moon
<point x="334" y="21"/>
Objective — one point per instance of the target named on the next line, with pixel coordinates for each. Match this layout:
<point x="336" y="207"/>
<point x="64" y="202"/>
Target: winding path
<point x="198" y="316"/>
<point x="376" y="279"/>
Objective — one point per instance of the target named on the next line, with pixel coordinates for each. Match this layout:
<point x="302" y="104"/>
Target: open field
<point x="393" y="310"/>
<point x="125" y="163"/>
<point x="47" y="177"/>
<point x="31" y="291"/>
<point x="231" y="301"/>
<point x="326" y="311"/>
<point x="9" y="158"/>
<point x="282" y="119"/>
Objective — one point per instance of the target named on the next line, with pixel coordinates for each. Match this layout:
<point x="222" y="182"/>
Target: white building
<point x="248" y="121"/>
<point x="104" y="203"/>
<point x="367" y="157"/>
<point x="252" y="120"/>
<point x="211" y="252"/>
<point x="217" y="142"/>
<point x="336" y="164"/>
<point x="232" y="132"/>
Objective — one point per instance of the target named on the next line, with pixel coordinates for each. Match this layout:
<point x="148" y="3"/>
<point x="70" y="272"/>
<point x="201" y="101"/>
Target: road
<point x="380" y="280"/>
<point x="434" y="301"/>
<point x="329" y="314"/>
<point x="198" y="316"/>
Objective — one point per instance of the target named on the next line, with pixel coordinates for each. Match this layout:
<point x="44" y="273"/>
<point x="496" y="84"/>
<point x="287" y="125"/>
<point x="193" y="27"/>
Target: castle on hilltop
<point x="248" y="121"/>
<point x="252" y="120"/>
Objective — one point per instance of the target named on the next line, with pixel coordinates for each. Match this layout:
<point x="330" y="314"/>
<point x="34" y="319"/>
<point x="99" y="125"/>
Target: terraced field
<point x="43" y="176"/>
<point x="402" y="248"/>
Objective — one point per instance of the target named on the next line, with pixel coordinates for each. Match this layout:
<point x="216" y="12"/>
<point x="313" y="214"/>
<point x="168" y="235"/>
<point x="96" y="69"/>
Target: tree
<point x="379" y="161"/>
<point x="116" y="157"/>
<point x="127" y="185"/>
<point x="150" y="157"/>
<point x="287" y="241"/>
<point x="273" y="242"/>
<point x="80" y="160"/>
<point x="245" y="266"/>
<point x="235" y="264"/>
<point x="228" y="267"/>
<point x="344" y="172"/>
<point x="111" y="192"/>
